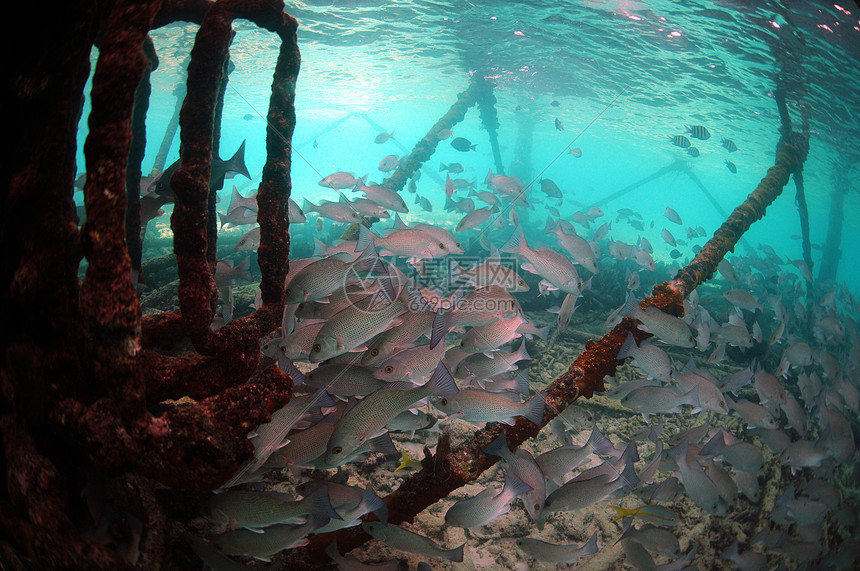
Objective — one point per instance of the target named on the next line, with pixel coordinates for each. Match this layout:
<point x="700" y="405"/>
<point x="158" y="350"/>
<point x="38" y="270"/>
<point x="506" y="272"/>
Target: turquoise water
<point x="626" y="76"/>
<point x="643" y="70"/>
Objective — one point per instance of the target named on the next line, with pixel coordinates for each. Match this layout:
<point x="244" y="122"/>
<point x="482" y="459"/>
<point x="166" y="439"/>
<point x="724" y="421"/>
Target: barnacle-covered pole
<point x="489" y="117"/>
<point x="832" y="250"/>
<point x="585" y="375"/>
<point x="133" y="230"/>
<point x="425" y="148"/>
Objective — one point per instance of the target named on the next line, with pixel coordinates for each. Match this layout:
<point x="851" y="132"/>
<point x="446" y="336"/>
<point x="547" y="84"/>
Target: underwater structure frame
<point x="83" y="371"/>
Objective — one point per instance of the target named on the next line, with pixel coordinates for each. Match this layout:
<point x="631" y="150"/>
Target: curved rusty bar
<point x="197" y="294"/>
<point x="190" y="182"/>
<point x="109" y="301"/>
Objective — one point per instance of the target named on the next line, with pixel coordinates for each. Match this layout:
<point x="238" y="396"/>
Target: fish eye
<point x="288" y="291"/>
<point x="316" y="348"/>
<point x="537" y="507"/>
<point x="522" y="283"/>
<point x="374" y="352"/>
<point x="458" y="244"/>
<point x="389" y="368"/>
<point x="441" y="245"/>
<point x="444" y="402"/>
<point x="283" y="348"/>
<point x="336" y="450"/>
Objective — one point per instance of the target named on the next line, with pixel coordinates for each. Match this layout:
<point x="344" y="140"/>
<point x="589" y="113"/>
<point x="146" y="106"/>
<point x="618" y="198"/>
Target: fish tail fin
<point x="455" y="555"/>
<point x="522" y="353"/>
<point x="590" y="547"/>
<point x="628" y="476"/>
<point x="221" y="217"/>
<point x="308" y="206"/>
<point x="321" y="504"/>
<point x="535" y="408"/>
<point x="498" y="447"/>
<point x="319" y="248"/>
<point x="405" y="461"/>
<point x="442" y="167"/>
<point x="628" y="348"/>
<point x="365" y="238"/>
<point x="288" y="368"/>
<point x="370" y="502"/>
<point x="244" y="269"/>
<point x="237" y="162"/>
<point x="521" y="380"/>
<point x="235" y="199"/>
<point x="360" y="182"/>
<point x="439" y="327"/>
<point x="621" y="513"/>
<point x="489" y="178"/>
<point x="449" y="204"/>
<point x="442" y="382"/>
<point x="472" y="148"/>
<point x="517" y="243"/>
<point x="597" y="441"/>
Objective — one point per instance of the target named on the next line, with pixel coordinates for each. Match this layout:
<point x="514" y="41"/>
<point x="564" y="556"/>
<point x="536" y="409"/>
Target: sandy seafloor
<point x="493" y="546"/>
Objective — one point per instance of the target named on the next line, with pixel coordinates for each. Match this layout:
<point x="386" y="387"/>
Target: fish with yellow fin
<point x="406" y="461"/>
<point x="657" y="515"/>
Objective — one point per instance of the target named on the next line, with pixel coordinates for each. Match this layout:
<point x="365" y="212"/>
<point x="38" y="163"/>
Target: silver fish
<point x="405" y="540"/>
<point x="269" y="437"/>
<point x="648" y="357"/>
<point x="555" y="268"/>
<point x="250" y="241"/>
<point x="413" y="325"/>
<point x="383" y="196"/>
<point x="481" y="366"/>
<point x="668" y="238"/>
<point x="273" y="539"/>
<point x="347" y="563"/>
<point x="655" y="400"/>
<point x="404" y="242"/>
<point x="559" y="462"/>
<point x="672" y="215"/>
<point x="373" y="412"/>
<point x="476" y="218"/>
<point x="578" y="248"/>
<point x="666" y="327"/>
<point x="473" y="405"/>
<point x="340" y="180"/>
<point x="696" y="483"/>
<point x="579" y="494"/>
<point x="555" y="553"/>
<point x="523" y="465"/>
<point x="490" y="272"/>
<point x="493" y="335"/>
<point x="336" y="211"/>
<point x="255" y="510"/>
<point x="654" y="539"/>
<point x="412" y="364"/>
<point x="356" y="324"/>
<point x="344" y="380"/>
<point x="487" y="505"/>
<point x="742" y="299"/>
